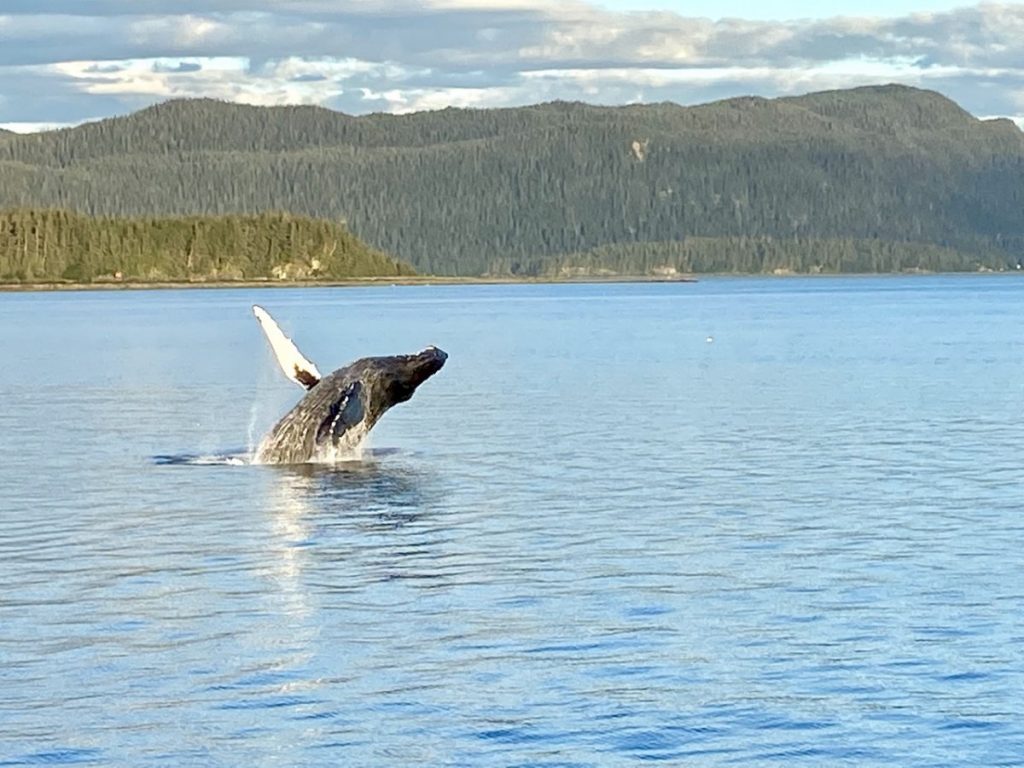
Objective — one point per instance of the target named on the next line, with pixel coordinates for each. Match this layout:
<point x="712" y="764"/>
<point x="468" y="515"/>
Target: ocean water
<point x="738" y="522"/>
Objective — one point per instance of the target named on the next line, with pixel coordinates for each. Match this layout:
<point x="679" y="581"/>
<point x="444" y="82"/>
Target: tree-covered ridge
<point x="525" y="190"/>
<point x="56" y="245"/>
<point x="768" y="255"/>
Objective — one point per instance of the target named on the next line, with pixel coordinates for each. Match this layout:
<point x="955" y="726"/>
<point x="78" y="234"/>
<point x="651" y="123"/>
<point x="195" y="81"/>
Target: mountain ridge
<point x="193" y="114"/>
<point x="472" y="191"/>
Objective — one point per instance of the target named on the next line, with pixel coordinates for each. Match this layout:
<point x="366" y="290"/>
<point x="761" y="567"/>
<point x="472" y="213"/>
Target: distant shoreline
<point x="127" y="285"/>
<point x="130" y="285"/>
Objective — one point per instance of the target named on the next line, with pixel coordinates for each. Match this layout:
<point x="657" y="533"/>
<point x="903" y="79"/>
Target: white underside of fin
<point x="295" y="366"/>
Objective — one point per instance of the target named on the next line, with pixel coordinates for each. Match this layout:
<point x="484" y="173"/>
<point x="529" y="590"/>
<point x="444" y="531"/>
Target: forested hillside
<point x="53" y="246"/>
<point x="873" y="178"/>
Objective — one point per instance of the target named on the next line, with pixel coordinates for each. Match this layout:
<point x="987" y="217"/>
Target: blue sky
<point x="66" y="61"/>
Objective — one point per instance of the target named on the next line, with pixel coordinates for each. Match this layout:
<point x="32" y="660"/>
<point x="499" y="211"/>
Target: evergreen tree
<point x="880" y="178"/>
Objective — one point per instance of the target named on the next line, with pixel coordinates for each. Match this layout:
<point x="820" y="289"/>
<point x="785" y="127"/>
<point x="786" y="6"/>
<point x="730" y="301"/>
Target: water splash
<point x="361" y="454"/>
<point x="349" y="448"/>
<point x="251" y="443"/>
<point x="236" y="459"/>
<point x="351" y="451"/>
<point x="352" y="448"/>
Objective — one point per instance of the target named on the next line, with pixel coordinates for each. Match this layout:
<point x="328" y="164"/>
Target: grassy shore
<point x="116" y="285"/>
<point x="128" y="285"/>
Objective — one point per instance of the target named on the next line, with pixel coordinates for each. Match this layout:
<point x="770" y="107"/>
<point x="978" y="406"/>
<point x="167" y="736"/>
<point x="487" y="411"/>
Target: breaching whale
<point x="339" y="409"/>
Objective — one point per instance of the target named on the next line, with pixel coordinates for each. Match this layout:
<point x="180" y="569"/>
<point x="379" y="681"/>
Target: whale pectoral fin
<point x="346" y="412"/>
<point x="295" y="366"/>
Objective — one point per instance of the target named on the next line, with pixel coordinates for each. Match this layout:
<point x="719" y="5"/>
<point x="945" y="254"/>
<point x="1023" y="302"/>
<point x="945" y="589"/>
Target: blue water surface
<point x="738" y="522"/>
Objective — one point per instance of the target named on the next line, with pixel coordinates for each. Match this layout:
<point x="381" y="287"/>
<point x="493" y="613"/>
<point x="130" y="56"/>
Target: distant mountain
<point x="879" y="178"/>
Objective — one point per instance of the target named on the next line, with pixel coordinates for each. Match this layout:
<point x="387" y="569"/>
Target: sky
<point x="63" y="62"/>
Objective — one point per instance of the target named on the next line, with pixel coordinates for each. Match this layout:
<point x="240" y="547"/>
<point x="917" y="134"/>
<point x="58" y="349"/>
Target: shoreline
<point x="406" y="280"/>
<point x="354" y="282"/>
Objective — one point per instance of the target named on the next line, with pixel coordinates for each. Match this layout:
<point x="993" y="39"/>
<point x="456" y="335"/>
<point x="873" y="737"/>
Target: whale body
<point x="340" y="409"/>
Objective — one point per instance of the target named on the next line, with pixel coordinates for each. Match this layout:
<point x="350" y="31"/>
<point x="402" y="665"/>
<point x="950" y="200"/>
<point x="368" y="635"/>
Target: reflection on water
<point x="378" y="481"/>
<point x="593" y="540"/>
<point x="357" y="507"/>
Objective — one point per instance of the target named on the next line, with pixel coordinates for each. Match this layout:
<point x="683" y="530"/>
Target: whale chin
<point x="412" y="370"/>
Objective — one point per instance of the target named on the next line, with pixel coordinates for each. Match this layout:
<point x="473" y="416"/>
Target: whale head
<point x="397" y="377"/>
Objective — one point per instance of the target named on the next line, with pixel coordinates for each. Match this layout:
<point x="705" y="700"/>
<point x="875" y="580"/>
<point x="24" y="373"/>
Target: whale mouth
<point x="432" y="359"/>
<point x="407" y="372"/>
<point x="435" y="354"/>
<point x="425" y="364"/>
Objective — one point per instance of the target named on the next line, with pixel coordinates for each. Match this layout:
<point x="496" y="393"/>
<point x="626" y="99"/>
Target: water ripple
<point x="588" y="542"/>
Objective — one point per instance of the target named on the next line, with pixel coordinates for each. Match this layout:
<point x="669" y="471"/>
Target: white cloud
<point x="290" y="81"/>
<point x="37" y="127"/>
<point x="61" y="60"/>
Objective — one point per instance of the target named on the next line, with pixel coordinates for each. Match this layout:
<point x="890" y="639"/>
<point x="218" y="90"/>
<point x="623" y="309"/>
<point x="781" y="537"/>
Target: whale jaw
<point x="407" y="372"/>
